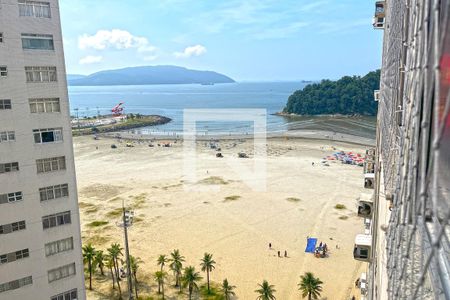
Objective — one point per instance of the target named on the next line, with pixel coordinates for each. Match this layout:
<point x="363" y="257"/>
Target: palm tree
<point x="110" y="265"/>
<point x="190" y="279"/>
<point x="266" y="291"/>
<point x="227" y="290"/>
<point x="99" y="261"/>
<point x="159" y="277"/>
<point x="176" y="265"/>
<point x="134" y="266"/>
<point x="88" y="256"/>
<point x="310" y="286"/>
<point x="162" y="260"/>
<point x="115" y="251"/>
<point x="207" y="264"/>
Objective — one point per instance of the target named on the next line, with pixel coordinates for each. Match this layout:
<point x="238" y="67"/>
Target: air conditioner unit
<point x="378" y="23"/>
<point x="376" y="95"/>
<point x="363" y="247"/>
<point x="369" y="180"/>
<point x="369" y="166"/>
<point x="365" y="209"/>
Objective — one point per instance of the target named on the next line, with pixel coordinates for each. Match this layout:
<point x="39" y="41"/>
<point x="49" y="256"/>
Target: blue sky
<point x="248" y="40"/>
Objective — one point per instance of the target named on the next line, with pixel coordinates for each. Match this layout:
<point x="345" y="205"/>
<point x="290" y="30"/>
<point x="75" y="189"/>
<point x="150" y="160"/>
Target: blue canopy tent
<point x="311" y="245"/>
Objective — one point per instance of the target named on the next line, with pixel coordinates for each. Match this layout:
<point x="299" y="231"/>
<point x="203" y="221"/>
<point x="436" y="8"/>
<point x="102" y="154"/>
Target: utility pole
<point x="78" y="119"/>
<point x="127" y="220"/>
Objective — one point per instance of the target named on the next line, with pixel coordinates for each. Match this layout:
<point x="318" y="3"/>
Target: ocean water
<point x="231" y="108"/>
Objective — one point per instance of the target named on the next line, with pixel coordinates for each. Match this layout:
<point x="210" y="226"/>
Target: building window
<point x="15" y="284"/>
<point x="9" y="167"/>
<point x="61" y="272"/>
<point x="3" y="71"/>
<point x="55" y="220"/>
<point x="54" y="192"/>
<point x="37" y="41"/>
<point x="16" y="226"/>
<point x="40" y="74"/>
<point x="11" y="197"/>
<point x="58" y="246"/>
<point x="47" y="135"/>
<point x="51" y="164"/>
<point x="69" y="295"/>
<point x="13" y="256"/>
<point x="6" y="136"/>
<point x="35" y="9"/>
<point x="44" y="105"/>
<point x="5" y="104"/>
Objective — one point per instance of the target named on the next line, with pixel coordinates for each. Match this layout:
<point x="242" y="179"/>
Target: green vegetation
<point x="190" y="279"/>
<point x="232" y="198"/>
<point x="132" y="121"/>
<point x="97" y="223"/>
<point x="213" y="180"/>
<point x="88" y="257"/>
<point x="310" y="286"/>
<point x="293" y="199"/>
<point x="347" y="96"/>
<point x="176" y="265"/>
<point x="266" y="291"/>
<point x="340" y="206"/>
<point x="114" y="213"/>
<point x="227" y="290"/>
<point x="343" y="217"/>
<point x="112" y="264"/>
<point x="207" y="264"/>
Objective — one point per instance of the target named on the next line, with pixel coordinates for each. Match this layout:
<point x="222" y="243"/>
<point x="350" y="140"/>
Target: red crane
<point x="117" y="110"/>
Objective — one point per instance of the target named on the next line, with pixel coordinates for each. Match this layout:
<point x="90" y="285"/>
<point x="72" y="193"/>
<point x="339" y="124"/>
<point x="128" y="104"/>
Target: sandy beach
<point x="234" y="222"/>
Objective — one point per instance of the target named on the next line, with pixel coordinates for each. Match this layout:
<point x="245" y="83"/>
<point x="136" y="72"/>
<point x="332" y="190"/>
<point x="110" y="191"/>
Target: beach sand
<point x="298" y="202"/>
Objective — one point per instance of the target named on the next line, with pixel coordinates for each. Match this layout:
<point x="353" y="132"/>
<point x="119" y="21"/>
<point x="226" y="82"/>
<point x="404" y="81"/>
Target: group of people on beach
<point x="279" y="252"/>
<point x="321" y="251"/>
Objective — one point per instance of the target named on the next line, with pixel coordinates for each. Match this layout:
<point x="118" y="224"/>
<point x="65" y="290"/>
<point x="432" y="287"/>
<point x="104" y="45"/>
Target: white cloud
<point x="90" y="59"/>
<point x="150" y="57"/>
<point x="115" y="38"/>
<point x="196" y="50"/>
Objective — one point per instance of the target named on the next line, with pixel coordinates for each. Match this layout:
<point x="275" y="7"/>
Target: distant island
<point x="149" y="75"/>
<point x="350" y="95"/>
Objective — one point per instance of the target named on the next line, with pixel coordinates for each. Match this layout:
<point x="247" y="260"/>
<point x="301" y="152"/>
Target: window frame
<point x="5" y="104"/>
<point x="3" y="71"/>
<point x="44" y="105"/>
<point x="40" y="135"/>
<point x="55" y="192"/>
<point x="41" y="74"/>
<point x="52" y="164"/>
<point x="29" y="38"/>
<point x="35" y="9"/>
<point x="56" y="220"/>
<point x="7" y="136"/>
<point x="9" y="167"/>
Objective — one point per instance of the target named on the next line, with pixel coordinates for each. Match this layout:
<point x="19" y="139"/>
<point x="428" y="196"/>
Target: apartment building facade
<point x="40" y="239"/>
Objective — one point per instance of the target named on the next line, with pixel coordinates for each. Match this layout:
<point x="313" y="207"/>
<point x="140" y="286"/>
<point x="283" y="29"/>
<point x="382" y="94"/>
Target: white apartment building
<point x="40" y="239"/>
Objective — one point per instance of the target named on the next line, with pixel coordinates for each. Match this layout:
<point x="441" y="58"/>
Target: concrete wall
<point x="25" y="151"/>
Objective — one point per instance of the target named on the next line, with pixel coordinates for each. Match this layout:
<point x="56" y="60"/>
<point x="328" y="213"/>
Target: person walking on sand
<point x="285" y="253"/>
<point x="270" y="245"/>
<point x="279" y="253"/>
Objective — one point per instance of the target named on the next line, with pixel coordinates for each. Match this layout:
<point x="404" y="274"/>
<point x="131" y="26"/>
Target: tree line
<point x="183" y="276"/>
<point x="347" y="96"/>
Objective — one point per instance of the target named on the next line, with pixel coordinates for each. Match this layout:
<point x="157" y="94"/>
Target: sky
<point x="248" y="40"/>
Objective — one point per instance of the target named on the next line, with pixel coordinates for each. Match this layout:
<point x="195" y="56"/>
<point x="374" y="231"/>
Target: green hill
<point x="347" y="96"/>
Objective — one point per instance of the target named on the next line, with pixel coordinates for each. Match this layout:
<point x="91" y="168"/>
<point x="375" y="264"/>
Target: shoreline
<point x="320" y="135"/>
<point x="128" y="124"/>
